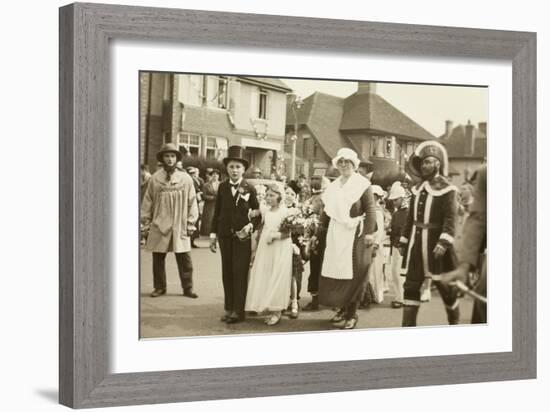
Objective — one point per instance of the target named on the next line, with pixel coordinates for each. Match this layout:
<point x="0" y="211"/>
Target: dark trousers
<point x="235" y="265"/>
<point x="315" y="266"/>
<point x="415" y="279"/>
<point x="185" y="270"/>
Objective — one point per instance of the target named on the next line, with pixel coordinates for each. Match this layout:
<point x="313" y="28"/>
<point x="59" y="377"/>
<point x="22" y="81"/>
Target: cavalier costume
<point x="431" y="221"/>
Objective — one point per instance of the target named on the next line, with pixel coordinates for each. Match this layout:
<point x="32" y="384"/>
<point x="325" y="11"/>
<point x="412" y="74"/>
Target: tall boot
<point x="453" y="315"/>
<point x="409" y="315"/>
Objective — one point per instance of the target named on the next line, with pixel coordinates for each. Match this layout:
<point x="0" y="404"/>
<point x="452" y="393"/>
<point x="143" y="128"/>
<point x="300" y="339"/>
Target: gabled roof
<point x="456" y="143"/>
<point x="270" y="82"/>
<point x="322" y="114"/>
<point x="370" y="111"/>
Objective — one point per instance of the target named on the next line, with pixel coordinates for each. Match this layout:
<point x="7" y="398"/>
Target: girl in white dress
<point x="271" y="273"/>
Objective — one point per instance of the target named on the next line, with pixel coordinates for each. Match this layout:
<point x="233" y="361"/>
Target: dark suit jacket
<point x="475" y="230"/>
<point x="231" y="213"/>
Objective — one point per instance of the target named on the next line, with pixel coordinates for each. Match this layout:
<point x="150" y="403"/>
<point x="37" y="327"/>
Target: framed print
<point x="278" y="97"/>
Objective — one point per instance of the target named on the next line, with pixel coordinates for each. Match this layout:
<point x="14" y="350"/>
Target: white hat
<point x="396" y="191"/>
<point x="377" y="190"/>
<point x="348" y="154"/>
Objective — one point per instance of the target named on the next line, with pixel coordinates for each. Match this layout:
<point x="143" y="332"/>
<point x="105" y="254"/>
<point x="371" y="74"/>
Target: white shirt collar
<point x="238" y="182"/>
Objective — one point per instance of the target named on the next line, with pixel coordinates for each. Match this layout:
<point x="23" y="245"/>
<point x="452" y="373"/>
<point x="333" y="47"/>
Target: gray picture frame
<point x="85" y="32"/>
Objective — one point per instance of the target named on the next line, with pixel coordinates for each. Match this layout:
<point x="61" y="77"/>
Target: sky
<point x="428" y="105"/>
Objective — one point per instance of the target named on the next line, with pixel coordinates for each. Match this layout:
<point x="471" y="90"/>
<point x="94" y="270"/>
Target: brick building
<point x="363" y="121"/>
<point x="467" y="148"/>
<point x="205" y="114"/>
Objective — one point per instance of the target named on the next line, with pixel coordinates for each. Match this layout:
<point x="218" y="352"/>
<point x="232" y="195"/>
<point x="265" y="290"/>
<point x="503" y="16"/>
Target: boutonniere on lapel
<point x="243" y="193"/>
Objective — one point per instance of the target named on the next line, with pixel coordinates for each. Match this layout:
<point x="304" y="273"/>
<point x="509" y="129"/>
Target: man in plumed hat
<point x="169" y="206"/>
<point x="235" y="215"/>
<point x="428" y="236"/>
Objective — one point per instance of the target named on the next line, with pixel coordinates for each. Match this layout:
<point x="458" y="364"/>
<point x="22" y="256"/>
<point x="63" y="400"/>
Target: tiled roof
<point x="269" y="81"/>
<point x="456" y="143"/>
<point x="322" y="114"/>
<point x="370" y="111"/>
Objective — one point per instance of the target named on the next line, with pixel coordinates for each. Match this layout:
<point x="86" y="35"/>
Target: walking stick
<point x="465" y="289"/>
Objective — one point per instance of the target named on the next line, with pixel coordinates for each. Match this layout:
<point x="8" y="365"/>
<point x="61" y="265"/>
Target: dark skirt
<point x="207" y="216"/>
<point x="339" y="293"/>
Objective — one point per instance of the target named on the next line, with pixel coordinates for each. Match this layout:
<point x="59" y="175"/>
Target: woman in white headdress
<point x="347" y="222"/>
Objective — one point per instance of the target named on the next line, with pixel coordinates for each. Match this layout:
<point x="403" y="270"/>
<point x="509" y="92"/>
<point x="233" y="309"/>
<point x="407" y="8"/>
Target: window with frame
<point x="388" y="148"/>
<point x="373" y="146"/>
<point x="216" y="147"/>
<point x="190" y="142"/>
<point x="222" y="92"/>
<point x="262" y="111"/>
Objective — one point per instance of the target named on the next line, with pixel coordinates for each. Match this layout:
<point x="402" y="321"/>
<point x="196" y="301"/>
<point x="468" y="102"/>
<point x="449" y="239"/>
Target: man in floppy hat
<point x="170" y="207"/>
<point x="429" y="234"/>
<point x="236" y="209"/>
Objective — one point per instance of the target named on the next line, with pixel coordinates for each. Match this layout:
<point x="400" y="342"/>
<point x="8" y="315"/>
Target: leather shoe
<point x="350" y="323"/>
<point x="157" y="292"/>
<point x="234" y="318"/>
<point x="339" y="317"/>
<point x="312" y="306"/>
<point x="190" y="294"/>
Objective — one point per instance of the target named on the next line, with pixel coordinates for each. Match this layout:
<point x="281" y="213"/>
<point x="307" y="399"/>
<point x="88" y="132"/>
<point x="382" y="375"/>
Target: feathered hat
<point x="427" y="149"/>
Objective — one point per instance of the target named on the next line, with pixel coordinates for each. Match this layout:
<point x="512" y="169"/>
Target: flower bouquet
<point x="301" y="224"/>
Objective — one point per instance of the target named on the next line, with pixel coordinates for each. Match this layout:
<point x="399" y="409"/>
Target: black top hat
<point x="235" y="153"/>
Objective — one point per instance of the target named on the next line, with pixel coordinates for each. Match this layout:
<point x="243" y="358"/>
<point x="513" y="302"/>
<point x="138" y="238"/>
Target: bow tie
<point x="234" y="185"/>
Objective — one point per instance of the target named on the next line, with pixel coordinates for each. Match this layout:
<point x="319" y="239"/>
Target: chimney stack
<point x="448" y="128"/>
<point x="469" y="139"/>
<point x="366" y="87"/>
<point x="482" y="126"/>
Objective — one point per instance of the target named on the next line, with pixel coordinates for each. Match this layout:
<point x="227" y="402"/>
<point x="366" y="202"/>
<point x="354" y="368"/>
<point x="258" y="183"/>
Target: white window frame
<point x="223" y="101"/>
<point x="261" y="94"/>
<point x="184" y="139"/>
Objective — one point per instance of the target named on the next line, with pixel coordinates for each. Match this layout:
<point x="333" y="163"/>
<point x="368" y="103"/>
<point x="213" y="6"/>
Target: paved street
<point x="173" y="315"/>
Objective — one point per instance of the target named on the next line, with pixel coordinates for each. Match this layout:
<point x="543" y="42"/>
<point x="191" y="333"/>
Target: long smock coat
<point x="171" y="207"/>
<point x="431" y="220"/>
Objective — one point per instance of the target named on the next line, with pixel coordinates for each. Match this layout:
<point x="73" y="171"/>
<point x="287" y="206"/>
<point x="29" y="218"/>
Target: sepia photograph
<point x="284" y="205"/>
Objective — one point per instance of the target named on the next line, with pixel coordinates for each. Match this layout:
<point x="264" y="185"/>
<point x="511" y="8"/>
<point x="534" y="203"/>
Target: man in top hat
<point x="235" y="215"/>
<point x="170" y="207"/>
<point x="428" y="236"/>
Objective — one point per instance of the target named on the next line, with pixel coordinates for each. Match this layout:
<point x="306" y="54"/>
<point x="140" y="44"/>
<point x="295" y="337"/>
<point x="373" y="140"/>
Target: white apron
<point x="338" y="200"/>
